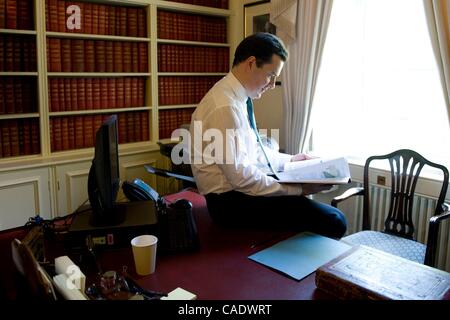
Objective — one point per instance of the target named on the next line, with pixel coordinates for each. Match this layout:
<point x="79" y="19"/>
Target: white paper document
<point x="318" y="170"/>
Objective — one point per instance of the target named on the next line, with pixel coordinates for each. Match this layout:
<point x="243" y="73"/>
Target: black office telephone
<point x="176" y="224"/>
<point x="138" y="190"/>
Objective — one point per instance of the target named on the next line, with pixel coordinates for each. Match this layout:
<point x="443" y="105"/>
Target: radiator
<point x="423" y="209"/>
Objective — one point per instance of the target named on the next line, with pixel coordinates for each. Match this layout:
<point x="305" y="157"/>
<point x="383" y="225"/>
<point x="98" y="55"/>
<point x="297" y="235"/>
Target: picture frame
<point x="257" y="19"/>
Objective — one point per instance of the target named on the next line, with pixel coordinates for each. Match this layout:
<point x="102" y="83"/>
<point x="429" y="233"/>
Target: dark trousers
<point x="291" y="213"/>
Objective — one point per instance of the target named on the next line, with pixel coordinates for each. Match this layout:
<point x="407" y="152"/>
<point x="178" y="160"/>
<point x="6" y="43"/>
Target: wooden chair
<point x="32" y="280"/>
<point x="398" y="236"/>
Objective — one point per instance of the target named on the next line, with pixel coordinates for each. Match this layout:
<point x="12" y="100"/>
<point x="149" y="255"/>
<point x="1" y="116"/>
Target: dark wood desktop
<point x="221" y="268"/>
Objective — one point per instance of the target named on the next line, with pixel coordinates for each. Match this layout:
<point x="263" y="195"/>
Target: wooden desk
<point x="221" y="269"/>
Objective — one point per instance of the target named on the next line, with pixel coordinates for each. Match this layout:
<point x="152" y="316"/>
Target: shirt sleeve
<point x="236" y="164"/>
<point x="277" y="159"/>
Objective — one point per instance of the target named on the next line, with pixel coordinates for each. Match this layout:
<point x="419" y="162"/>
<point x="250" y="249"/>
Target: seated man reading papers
<point x="237" y="191"/>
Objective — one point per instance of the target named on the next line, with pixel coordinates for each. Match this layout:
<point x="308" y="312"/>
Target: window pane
<point x="378" y="88"/>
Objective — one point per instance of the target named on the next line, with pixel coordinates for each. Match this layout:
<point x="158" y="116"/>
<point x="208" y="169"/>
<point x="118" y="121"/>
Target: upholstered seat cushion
<point x="408" y="249"/>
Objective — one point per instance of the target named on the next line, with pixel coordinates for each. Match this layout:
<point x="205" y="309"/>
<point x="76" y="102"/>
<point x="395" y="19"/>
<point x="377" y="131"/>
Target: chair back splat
<point x="406" y="166"/>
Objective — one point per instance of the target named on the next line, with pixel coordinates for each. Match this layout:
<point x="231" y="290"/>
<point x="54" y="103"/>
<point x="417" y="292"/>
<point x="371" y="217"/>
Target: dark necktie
<point x="252" y="122"/>
<point x="251" y="117"/>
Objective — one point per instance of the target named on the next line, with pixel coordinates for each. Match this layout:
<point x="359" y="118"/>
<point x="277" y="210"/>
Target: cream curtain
<point x="438" y="14"/>
<point x="299" y="75"/>
<point x="283" y="14"/>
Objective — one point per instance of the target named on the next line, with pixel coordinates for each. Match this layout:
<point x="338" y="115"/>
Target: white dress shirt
<point x="223" y="113"/>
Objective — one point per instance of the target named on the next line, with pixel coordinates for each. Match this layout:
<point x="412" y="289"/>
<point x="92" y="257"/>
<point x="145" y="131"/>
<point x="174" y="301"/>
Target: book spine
<point x="14" y="137"/>
<point x="57" y="133"/>
<point x="27" y="149"/>
<point x="79" y="132"/>
<point x="11" y="14"/>
<point x="2" y="96"/>
<point x="2" y="22"/>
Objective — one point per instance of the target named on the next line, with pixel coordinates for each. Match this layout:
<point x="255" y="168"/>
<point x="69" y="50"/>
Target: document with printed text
<point x="318" y="170"/>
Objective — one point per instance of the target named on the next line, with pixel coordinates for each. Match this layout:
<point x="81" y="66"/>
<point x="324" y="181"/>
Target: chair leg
<point x="430" y="255"/>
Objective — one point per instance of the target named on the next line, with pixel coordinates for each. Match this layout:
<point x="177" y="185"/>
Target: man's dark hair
<point x="263" y="46"/>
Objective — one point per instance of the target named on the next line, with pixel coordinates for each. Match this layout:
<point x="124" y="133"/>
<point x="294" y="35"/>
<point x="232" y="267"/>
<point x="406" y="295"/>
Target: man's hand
<point x="311" y="188"/>
<point x="301" y="157"/>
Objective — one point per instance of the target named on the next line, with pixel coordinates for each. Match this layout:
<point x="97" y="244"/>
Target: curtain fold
<point x="437" y="14"/>
<point x="283" y="14"/>
<point x="299" y="75"/>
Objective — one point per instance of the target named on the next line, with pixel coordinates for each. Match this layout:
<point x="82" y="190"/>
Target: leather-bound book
<point x="142" y="23"/>
<point x="145" y="128"/>
<point x="3" y="16"/>
<point x="366" y="273"/>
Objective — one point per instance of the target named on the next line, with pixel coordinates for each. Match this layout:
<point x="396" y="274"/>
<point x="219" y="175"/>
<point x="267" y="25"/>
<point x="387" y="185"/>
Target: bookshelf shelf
<point x="98" y="111"/>
<point x="98" y="74"/>
<point x="194" y="43"/>
<point x="19" y="116"/>
<point x="199" y="74"/>
<point x="16" y="31"/>
<point x="186" y="7"/>
<point x="18" y="74"/>
<point x="180" y="106"/>
<point x="94" y="36"/>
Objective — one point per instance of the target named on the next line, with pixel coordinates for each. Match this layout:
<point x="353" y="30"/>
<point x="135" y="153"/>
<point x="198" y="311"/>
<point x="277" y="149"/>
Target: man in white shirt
<point x="228" y="162"/>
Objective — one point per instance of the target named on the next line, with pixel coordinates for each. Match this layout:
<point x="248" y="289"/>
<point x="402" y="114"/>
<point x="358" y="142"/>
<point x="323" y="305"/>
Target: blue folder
<point x="301" y="254"/>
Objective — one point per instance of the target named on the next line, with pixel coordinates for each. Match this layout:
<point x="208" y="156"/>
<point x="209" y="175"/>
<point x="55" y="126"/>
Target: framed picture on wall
<point x="257" y="19"/>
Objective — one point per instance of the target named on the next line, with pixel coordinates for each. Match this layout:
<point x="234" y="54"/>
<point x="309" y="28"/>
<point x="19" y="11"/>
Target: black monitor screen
<point x="104" y="180"/>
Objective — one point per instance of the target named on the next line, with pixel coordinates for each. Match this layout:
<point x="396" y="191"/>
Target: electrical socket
<point x="381" y="180"/>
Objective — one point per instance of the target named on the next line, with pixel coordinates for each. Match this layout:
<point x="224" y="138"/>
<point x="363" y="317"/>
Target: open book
<point x="318" y="170"/>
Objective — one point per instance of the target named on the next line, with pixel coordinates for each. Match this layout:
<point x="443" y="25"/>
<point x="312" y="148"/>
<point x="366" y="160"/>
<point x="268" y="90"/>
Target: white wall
<point x="269" y="112"/>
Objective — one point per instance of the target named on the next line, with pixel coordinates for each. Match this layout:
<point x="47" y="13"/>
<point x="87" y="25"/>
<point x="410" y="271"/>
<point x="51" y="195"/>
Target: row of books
<point x="18" y="53"/>
<point x="77" y="132"/>
<point x="223" y="4"/>
<point x="16" y="14"/>
<point x="76" y="55"/>
<point x="19" y="137"/>
<point x="169" y="120"/>
<point x="184" y="90"/>
<point x="181" y="26"/>
<point x="184" y="58"/>
<point x="18" y="95"/>
<point x="97" y="19"/>
<point x="70" y="94"/>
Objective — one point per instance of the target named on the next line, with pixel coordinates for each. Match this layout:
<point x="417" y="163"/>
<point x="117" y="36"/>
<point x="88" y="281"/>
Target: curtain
<point x="437" y="15"/>
<point x="299" y="75"/>
<point x="283" y="14"/>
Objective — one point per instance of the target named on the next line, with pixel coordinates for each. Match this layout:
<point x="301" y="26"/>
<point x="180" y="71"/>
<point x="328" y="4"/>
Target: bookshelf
<point x="94" y="69"/>
<point x="19" y="107"/>
<point x="69" y="78"/>
<point x="193" y="54"/>
<point x="66" y="81"/>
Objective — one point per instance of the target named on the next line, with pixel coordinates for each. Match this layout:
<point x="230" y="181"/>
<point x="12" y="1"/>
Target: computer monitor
<point x="104" y="180"/>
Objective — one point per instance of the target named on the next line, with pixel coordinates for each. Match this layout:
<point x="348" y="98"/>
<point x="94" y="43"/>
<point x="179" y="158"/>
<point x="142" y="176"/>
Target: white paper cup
<point x="144" y="253"/>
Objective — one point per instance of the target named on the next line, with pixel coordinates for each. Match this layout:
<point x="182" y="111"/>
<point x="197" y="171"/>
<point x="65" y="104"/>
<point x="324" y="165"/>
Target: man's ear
<point x="251" y="61"/>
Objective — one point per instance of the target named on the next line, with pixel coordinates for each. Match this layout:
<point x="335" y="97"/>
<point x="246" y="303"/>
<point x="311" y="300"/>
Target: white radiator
<point x="380" y="200"/>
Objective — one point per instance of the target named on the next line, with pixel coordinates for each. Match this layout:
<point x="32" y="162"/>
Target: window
<point x="378" y="89"/>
